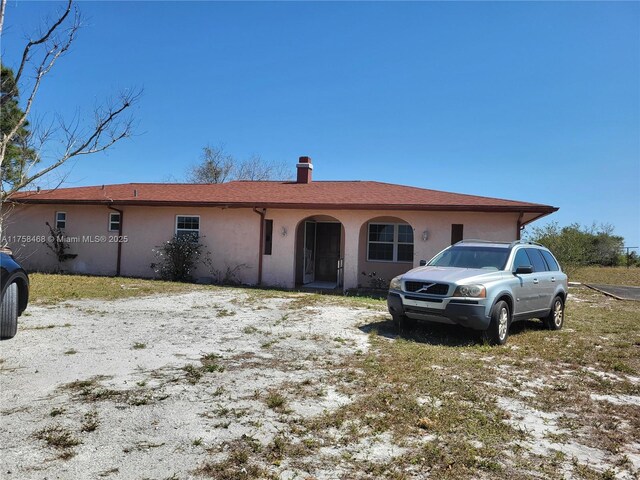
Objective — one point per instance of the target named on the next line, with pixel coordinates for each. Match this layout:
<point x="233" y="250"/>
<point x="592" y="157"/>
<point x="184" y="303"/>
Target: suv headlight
<point x="477" y="291"/>
<point x="395" y="283"/>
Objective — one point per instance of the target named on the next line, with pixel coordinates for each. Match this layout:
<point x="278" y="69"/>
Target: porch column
<point x="351" y="241"/>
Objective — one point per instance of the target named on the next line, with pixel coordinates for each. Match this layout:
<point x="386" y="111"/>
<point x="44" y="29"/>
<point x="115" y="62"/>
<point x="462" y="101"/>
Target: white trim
<point x="65" y="220"/>
<point x="395" y="242"/>
<point x="186" y="229"/>
<point x="111" y="221"/>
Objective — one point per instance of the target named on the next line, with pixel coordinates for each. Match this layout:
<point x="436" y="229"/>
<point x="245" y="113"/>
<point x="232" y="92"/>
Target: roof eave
<point x="542" y="209"/>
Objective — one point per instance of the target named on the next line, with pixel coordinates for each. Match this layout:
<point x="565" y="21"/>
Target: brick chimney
<point x="305" y="168"/>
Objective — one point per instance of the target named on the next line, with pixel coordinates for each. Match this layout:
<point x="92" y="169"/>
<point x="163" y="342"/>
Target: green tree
<point x="576" y="245"/>
<point x="25" y="156"/>
<point x="18" y="154"/>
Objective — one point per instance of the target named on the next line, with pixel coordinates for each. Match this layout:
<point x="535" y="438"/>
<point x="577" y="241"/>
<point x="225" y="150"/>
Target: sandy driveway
<point x="157" y="387"/>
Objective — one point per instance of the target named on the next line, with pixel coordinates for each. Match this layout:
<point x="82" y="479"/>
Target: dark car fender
<point x="11" y="272"/>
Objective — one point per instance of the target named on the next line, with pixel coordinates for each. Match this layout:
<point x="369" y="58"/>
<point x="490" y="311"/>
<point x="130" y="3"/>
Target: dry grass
<point x="436" y="393"/>
<point x="442" y="381"/>
<point x="57" y="436"/>
<point x="50" y="288"/>
<point x="607" y="275"/>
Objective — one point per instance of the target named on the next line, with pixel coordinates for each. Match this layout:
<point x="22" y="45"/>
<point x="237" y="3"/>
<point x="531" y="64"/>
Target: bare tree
<point x="256" y="169"/>
<point x="22" y="151"/>
<point x="217" y="166"/>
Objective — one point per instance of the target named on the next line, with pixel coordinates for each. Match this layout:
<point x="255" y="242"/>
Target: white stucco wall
<point x="232" y="236"/>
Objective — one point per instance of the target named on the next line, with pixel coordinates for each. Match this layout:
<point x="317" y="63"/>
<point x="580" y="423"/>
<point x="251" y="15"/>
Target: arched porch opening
<point x="385" y="250"/>
<point x="319" y="252"/>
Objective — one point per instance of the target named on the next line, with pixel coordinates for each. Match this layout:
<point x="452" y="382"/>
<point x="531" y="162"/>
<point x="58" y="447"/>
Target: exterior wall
<point x="232" y="237"/>
<point x="279" y="268"/>
<point x="29" y="222"/>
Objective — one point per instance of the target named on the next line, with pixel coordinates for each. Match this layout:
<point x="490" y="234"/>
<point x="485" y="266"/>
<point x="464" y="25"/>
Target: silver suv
<point x="484" y="286"/>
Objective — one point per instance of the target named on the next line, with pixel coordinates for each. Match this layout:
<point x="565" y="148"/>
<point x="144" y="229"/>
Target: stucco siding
<point x="232" y="237"/>
<point x="94" y="256"/>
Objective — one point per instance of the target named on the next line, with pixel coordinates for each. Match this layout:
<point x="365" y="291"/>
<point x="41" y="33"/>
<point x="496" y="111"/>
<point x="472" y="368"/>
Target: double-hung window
<point x="390" y="242"/>
<point x="114" y="222"/>
<point x="61" y="220"/>
<point x="188" y="225"/>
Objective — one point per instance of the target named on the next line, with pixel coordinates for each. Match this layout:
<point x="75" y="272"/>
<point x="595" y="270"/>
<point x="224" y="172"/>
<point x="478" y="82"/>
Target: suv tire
<point x="555" y="319"/>
<point x="498" y="330"/>
<point x="402" y="322"/>
<point x="9" y="312"/>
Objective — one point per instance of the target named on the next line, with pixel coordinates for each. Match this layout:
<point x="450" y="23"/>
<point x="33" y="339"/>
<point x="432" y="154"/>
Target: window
<point x="61" y="220"/>
<point x="457" y="230"/>
<point x="521" y="260"/>
<point x="187" y="226"/>
<point x="114" y="222"/>
<point x="551" y="262"/>
<point x="536" y="260"/>
<point x="492" y="258"/>
<point x="268" y="236"/>
<point x="389" y="242"/>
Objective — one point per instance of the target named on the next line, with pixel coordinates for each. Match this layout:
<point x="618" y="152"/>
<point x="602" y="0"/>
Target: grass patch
<point x="239" y="463"/>
<point x="90" y="422"/>
<point x="91" y="390"/>
<point x="139" y="346"/>
<point x="56" y="412"/>
<point x="57" y="436"/>
<point x="210" y="363"/>
<point x="47" y="289"/>
<point x="275" y="401"/>
<point x="607" y="275"/>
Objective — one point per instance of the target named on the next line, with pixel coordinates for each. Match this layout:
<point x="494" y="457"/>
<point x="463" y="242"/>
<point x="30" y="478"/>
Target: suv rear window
<point x="551" y="262"/>
<point x="493" y="258"/>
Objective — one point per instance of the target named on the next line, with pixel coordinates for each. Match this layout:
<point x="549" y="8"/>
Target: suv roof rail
<point x="526" y="242"/>
<point x="474" y="240"/>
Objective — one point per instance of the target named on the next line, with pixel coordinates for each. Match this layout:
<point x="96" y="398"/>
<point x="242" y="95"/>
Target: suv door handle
<point x="535" y="280"/>
<point x="553" y="279"/>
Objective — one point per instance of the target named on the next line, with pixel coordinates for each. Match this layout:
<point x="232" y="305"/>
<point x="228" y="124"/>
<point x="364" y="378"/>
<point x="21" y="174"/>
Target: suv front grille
<point x="426" y="287"/>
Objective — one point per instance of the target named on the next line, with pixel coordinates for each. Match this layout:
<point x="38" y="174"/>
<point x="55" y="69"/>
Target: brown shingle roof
<point x="363" y="195"/>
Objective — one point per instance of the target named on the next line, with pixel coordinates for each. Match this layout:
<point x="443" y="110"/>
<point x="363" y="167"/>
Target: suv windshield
<point x="493" y="258"/>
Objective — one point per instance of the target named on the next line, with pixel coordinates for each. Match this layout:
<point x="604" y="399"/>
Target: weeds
<point x="57" y="436"/>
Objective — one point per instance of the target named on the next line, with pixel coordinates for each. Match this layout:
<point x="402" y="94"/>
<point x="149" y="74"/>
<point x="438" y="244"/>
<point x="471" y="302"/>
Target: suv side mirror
<point x="423" y="263"/>
<point x="524" y="269"/>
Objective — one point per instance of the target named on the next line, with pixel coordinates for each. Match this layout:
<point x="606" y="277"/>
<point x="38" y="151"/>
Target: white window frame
<point x="63" y="221"/>
<point x="111" y="221"/>
<point x="187" y="230"/>
<point x="396" y="242"/>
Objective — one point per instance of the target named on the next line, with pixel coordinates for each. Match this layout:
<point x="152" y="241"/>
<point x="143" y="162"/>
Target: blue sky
<point x="529" y="101"/>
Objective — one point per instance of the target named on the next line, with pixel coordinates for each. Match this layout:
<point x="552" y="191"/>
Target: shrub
<point x="177" y="258"/>
<point x="576" y="246"/>
<point x="57" y="244"/>
<point x="376" y="282"/>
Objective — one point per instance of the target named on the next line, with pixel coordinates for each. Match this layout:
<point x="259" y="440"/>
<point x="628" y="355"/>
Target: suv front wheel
<point x="498" y="330"/>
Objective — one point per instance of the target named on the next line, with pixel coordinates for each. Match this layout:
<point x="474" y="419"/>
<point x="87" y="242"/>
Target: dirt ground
<point x="153" y="387"/>
<point x="200" y="385"/>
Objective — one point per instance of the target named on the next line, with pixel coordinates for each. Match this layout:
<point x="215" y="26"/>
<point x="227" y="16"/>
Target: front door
<point x="327" y="251"/>
<point x="309" y="261"/>
<point x="525" y="288"/>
